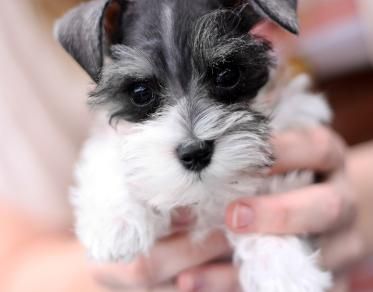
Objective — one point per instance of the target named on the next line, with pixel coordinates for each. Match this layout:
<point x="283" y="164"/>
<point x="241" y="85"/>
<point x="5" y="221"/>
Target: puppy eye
<point x="228" y="77"/>
<point x="141" y="94"/>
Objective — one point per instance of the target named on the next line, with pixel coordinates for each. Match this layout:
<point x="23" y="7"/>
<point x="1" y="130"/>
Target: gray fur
<point x="284" y="12"/>
<point x="81" y="32"/>
<point x="207" y="42"/>
<point x="177" y="48"/>
<point x="183" y="72"/>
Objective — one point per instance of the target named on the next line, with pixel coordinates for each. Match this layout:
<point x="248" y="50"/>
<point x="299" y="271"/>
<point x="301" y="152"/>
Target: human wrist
<point x="49" y="264"/>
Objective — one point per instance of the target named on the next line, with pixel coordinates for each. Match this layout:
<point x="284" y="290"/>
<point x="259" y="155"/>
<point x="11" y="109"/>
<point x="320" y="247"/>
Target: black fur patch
<point x="204" y="37"/>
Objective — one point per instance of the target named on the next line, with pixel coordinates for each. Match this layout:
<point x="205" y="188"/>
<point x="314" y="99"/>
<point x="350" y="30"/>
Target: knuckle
<point x="103" y="278"/>
<point x="357" y="246"/>
<point x="350" y="206"/>
<point x="341" y="146"/>
<point x="283" y="220"/>
<point x="333" y="205"/>
<point x="140" y="273"/>
<point x="330" y="148"/>
<point x="340" y="150"/>
<point x="323" y="140"/>
<point x="348" y="202"/>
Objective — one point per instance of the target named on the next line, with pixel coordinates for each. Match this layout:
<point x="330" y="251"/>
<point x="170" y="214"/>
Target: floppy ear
<point x="87" y="32"/>
<point x="283" y="12"/>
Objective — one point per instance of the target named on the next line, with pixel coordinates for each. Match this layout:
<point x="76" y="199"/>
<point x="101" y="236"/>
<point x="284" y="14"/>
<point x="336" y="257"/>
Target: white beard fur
<point x="119" y="216"/>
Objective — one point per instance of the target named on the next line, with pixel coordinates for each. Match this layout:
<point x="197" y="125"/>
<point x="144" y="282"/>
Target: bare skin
<point x="29" y="251"/>
<point x="331" y="210"/>
<point x="334" y="211"/>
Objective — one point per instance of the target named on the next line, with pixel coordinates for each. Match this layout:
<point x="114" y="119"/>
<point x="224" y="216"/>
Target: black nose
<point x="195" y="156"/>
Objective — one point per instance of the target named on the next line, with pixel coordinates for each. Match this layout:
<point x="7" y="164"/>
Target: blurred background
<point x="44" y="119"/>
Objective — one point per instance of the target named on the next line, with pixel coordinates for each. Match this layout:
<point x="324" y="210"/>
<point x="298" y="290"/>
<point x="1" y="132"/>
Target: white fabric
<point x="43" y="117"/>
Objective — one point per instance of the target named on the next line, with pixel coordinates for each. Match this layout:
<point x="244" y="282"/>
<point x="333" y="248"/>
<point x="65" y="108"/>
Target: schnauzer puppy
<point x="184" y="86"/>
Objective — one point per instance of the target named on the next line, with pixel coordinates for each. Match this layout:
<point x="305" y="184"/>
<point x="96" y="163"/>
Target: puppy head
<point x="186" y="76"/>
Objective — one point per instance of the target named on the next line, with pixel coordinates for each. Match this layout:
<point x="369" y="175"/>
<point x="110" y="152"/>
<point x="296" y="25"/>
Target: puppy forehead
<point x="161" y="30"/>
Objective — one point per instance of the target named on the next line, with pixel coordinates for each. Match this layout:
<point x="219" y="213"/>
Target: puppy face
<point x="185" y="75"/>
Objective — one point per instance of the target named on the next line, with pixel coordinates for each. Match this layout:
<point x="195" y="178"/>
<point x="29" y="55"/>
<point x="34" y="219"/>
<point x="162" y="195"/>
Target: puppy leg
<point x="110" y="222"/>
<point x="278" y="264"/>
<point x="116" y="235"/>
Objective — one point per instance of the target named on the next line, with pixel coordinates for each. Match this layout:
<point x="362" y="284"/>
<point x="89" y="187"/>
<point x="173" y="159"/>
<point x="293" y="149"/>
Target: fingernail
<point x="243" y="216"/>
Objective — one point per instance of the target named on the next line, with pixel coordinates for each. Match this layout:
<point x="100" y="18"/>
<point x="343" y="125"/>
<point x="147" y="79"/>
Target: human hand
<point x="326" y="210"/>
<point x="158" y="271"/>
<point x="331" y="202"/>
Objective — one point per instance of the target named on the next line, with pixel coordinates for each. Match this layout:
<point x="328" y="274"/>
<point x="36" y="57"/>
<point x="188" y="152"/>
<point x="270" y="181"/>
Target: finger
<point x="160" y="289"/>
<point x="313" y="209"/>
<point x="156" y="289"/>
<point x="114" y="284"/>
<point x="317" y="149"/>
<point x="182" y="253"/>
<point x="217" y="278"/>
<point x="182" y="219"/>
<point x="341" y="250"/>
<point x="167" y="259"/>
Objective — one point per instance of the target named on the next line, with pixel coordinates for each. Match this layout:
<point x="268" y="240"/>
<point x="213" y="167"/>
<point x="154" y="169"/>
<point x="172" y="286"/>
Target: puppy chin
<point x="155" y="175"/>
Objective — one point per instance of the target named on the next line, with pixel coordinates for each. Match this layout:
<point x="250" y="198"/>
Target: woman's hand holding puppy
<point x="326" y="210"/>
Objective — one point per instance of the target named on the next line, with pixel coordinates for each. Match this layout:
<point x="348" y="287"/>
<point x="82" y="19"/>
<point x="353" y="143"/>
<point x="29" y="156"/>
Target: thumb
<point x="310" y="210"/>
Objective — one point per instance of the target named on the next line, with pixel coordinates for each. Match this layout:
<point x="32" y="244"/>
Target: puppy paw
<point x="109" y="222"/>
<point x="115" y="239"/>
<point x="273" y="264"/>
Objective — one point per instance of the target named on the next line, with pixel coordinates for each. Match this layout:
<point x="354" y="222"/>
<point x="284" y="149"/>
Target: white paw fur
<point x="278" y="264"/>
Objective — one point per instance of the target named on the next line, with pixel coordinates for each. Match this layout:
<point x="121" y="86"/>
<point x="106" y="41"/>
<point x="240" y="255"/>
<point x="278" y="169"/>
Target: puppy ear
<point x="87" y="32"/>
<point x="283" y="12"/>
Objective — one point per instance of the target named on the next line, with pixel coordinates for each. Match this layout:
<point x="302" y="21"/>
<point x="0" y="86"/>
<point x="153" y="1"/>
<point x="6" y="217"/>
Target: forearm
<point x="36" y="259"/>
